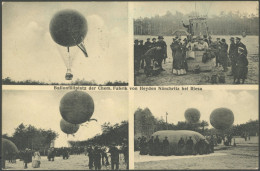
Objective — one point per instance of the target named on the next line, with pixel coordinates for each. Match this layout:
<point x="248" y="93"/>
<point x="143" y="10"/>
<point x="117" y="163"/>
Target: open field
<point x="244" y="156"/>
<point x="75" y="162"/>
<point x="166" y="78"/>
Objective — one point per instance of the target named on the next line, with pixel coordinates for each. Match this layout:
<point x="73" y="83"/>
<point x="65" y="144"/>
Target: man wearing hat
<point x="142" y="52"/>
<point x="90" y="152"/>
<point x="241" y="68"/>
<point x="157" y="150"/>
<point x="137" y="57"/>
<point x="151" y="146"/>
<point x="113" y="150"/>
<point x="232" y="55"/>
<point x="218" y="47"/>
<point x="240" y="44"/>
<point x="147" y="44"/>
<point x="27" y="158"/>
<point x="97" y="157"/>
<point x="166" y="145"/>
<point x="181" y="145"/>
<point x="223" y="54"/>
<point x="153" y="42"/>
<point x="162" y="55"/>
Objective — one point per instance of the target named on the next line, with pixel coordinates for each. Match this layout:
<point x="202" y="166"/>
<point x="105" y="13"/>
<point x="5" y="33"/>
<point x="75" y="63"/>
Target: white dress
<point x="36" y="160"/>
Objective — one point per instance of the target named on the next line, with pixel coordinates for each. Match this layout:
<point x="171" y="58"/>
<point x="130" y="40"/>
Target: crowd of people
<point x="149" y="56"/>
<point x="98" y="155"/>
<point x="155" y="147"/>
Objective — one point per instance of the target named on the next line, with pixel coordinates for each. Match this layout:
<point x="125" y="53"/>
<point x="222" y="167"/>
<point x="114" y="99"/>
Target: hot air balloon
<point x="192" y="115"/>
<point x="8" y="147"/>
<point x="175" y="136"/>
<point x="69" y="28"/>
<point x="68" y="128"/>
<point x="76" y="107"/>
<point x="222" y="118"/>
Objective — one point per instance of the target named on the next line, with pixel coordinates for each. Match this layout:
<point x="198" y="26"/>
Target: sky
<point x="41" y="109"/>
<point x="244" y="104"/>
<point x="143" y="9"/>
<point x="30" y="53"/>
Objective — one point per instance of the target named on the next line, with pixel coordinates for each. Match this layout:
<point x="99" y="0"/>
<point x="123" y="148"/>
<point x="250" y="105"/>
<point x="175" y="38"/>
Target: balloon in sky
<point x="76" y="107"/>
<point x="69" y="28"/>
<point x="68" y="128"/>
<point x="222" y="118"/>
<point x="192" y="115"/>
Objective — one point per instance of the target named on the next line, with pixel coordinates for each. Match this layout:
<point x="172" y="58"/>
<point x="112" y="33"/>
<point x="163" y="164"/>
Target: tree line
<point x="28" y="136"/>
<point x="231" y="23"/>
<point x="116" y="133"/>
<point x="146" y="124"/>
<point x="9" y="81"/>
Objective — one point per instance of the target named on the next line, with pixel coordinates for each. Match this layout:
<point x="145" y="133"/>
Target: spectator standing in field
<point x="36" y="159"/>
<point x="114" y="157"/>
<point x="97" y="158"/>
<point x="27" y="157"/>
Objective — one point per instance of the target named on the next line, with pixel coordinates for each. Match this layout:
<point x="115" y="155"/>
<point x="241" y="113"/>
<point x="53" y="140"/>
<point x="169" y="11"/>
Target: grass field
<point x="75" y="162"/>
<point x="243" y="156"/>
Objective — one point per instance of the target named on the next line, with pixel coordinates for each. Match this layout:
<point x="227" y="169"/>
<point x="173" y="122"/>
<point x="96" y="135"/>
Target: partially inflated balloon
<point x="192" y="115"/>
<point x="8" y="146"/>
<point x="76" y="107"/>
<point x="68" y="128"/>
<point x="222" y="118"/>
<point x="175" y="136"/>
<point x="68" y="28"/>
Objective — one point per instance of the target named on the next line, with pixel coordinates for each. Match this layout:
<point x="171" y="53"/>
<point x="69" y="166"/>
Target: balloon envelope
<point x="68" y="128"/>
<point x="76" y="107"/>
<point x="8" y="146"/>
<point x="192" y="115"/>
<point x="68" y="27"/>
<point x="222" y="118"/>
<point x="175" y="136"/>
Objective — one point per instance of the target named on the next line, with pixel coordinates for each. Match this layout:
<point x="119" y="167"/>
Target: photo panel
<point x="64" y="130"/>
<point x="75" y="43"/>
<point x="195" y="43"/>
<point x="213" y="129"/>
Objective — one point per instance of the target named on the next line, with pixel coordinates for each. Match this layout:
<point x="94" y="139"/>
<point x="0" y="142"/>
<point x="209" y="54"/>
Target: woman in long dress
<point x="36" y="159"/>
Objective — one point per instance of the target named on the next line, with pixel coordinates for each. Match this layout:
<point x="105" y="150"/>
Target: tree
<point x="110" y="133"/>
<point x="31" y="137"/>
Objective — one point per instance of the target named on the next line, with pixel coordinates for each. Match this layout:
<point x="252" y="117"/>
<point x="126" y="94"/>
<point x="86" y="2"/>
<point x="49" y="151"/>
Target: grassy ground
<point x="243" y="156"/>
<point x="75" y="162"/>
<point x="166" y="78"/>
